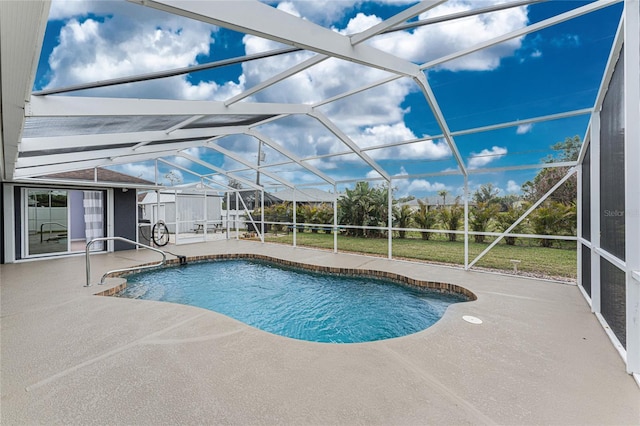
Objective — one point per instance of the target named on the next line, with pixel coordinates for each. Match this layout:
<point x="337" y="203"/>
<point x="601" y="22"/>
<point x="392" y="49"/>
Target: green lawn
<point x="549" y="262"/>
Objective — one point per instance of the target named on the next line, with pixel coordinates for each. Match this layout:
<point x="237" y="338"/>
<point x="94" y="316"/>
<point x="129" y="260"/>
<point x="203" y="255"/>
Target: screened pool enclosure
<point x="470" y="122"/>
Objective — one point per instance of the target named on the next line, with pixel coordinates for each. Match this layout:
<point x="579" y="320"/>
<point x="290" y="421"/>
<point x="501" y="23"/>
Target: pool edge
<point x="440" y="287"/>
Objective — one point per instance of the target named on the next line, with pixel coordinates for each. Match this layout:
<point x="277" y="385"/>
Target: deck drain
<point x="472" y="320"/>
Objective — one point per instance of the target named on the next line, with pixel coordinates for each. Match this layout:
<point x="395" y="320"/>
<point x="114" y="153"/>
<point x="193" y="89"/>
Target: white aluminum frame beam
<point x="399" y="18"/>
<point x="22" y="28"/>
<point x="356" y="90"/>
<point x="478" y="171"/>
<point x="261" y="55"/>
<point x="198" y="175"/>
<point x="323" y="119"/>
<point x="270" y="142"/>
<point x="167" y="73"/>
<point x="632" y="177"/>
<point x="267" y="22"/>
<point x="558" y="116"/>
<point x="570" y="173"/>
<point x="524" y="31"/>
<point x="57" y="168"/>
<point x="550" y="117"/>
<point x="355" y="39"/>
<point x="184" y="123"/>
<point x="308" y="63"/>
<point x="586" y="141"/>
<point x="210" y="182"/>
<point x="241" y="160"/>
<point x="579" y="11"/>
<point x="140" y="138"/>
<point x="179" y="167"/>
<point x="594" y="242"/>
<point x="44" y="169"/>
<point x="85" y="183"/>
<point x="614" y="54"/>
<point x="421" y="23"/>
<point x="422" y="82"/>
<point x="522" y="167"/>
<point x="108" y="153"/>
<point x="67" y="106"/>
<point x="219" y="170"/>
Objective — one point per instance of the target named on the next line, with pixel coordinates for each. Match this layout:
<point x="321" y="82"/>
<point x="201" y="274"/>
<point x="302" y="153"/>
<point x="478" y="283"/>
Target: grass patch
<point x="557" y="261"/>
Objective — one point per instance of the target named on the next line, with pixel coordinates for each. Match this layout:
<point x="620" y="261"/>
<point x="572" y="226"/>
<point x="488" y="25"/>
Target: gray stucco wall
<point x="124" y="211"/>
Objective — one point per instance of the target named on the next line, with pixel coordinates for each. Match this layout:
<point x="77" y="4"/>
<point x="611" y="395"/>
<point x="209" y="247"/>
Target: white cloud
<point x="382" y="105"/>
<point x="63" y="9"/>
<point x="318" y="11"/>
<point x="385" y="134"/>
<point x="353" y="115"/>
<point x="422" y="185"/>
<point x="415" y="187"/>
<point x="126" y="39"/>
<point x="372" y="174"/>
<point x="131" y="39"/>
<point x="486" y="156"/>
<point x="524" y="128"/>
<point x="432" y="41"/>
<point x="139" y="170"/>
<point x="512" y="187"/>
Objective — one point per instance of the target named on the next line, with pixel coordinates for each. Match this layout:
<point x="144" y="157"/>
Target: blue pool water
<point x="294" y="303"/>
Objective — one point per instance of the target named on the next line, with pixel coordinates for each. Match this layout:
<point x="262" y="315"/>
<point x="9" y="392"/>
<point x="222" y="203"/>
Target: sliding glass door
<point x="62" y="221"/>
<point x="47" y="221"/>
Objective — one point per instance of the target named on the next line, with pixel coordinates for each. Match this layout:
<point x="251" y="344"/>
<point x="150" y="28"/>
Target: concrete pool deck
<point x="68" y="357"/>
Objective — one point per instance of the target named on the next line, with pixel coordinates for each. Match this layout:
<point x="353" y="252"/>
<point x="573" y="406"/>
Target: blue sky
<point x="554" y="70"/>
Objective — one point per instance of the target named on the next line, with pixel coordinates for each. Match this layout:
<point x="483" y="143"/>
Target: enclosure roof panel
<point x="288" y="94"/>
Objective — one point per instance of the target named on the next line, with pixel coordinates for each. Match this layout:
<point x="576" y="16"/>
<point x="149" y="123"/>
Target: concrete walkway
<point x="68" y="357"/>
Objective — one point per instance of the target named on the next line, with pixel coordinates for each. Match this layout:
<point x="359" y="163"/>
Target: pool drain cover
<point x="472" y="320"/>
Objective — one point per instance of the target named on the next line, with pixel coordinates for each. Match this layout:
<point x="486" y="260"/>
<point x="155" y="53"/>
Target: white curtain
<point x="93" y="218"/>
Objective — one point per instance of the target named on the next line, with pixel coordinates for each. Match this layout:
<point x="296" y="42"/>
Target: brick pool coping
<point x="440" y="287"/>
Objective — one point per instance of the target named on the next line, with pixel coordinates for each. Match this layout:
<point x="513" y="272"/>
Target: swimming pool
<point x="296" y="303"/>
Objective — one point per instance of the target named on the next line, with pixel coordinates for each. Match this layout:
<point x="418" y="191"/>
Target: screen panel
<point x="586" y="195"/>
<point x="586" y="269"/>
<point x="613" y="299"/>
<point x="612" y="186"/>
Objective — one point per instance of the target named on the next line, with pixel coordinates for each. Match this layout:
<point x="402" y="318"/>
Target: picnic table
<point x="200" y="224"/>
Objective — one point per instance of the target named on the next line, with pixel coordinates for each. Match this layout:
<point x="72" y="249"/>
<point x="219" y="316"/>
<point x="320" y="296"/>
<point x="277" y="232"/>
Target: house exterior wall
<point x="12" y="223"/>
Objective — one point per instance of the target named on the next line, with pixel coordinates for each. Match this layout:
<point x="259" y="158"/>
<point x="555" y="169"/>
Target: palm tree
<point x="380" y="212"/>
<point x="301" y="216"/>
<point x="450" y="218"/>
<point x="553" y="218"/>
<point x="481" y="215"/>
<point x="505" y="219"/>
<point x="425" y="218"/>
<point x="364" y="205"/>
<point x="404" y="217"/>
<point x="324" y="216"/>
<point x="487" y="193"/>
<point x="444" y="194"/>
<point x="356" y="207"/>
